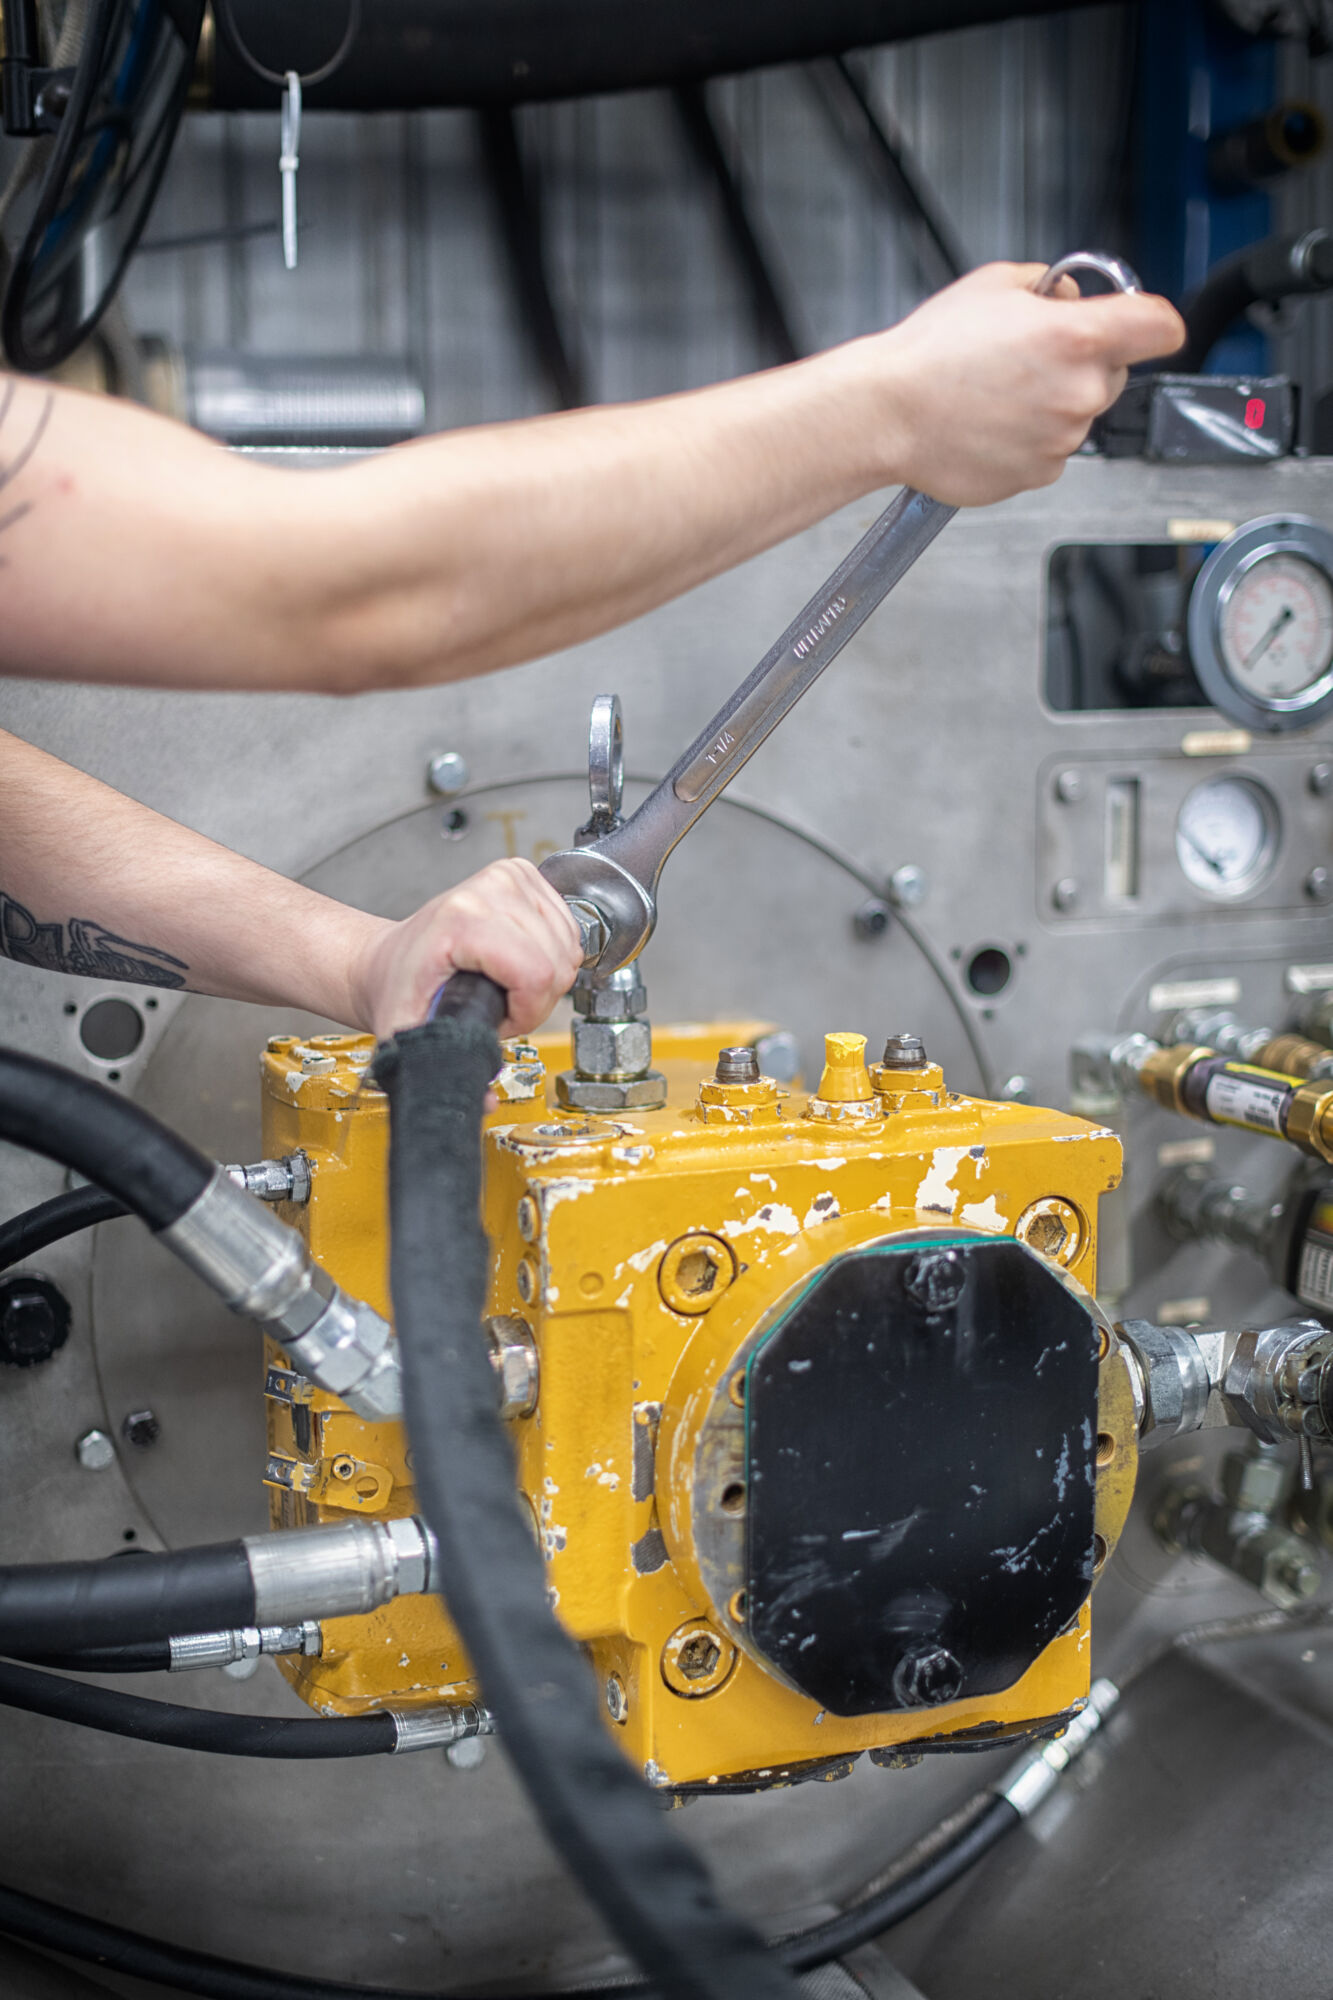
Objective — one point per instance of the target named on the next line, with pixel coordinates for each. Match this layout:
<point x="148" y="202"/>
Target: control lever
<point x="610" y="880"/>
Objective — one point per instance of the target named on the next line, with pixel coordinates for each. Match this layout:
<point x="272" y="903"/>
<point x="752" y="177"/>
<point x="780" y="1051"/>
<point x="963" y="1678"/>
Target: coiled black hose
<point x="193" y="1728"/>
<point x="654" y="1893"/>
<point x="51" y="1221"/>
<point x="71" y="1607"/>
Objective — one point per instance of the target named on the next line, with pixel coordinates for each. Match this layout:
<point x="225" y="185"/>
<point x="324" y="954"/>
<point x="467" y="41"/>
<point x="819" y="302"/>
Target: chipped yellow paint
<point x="580" y="1212"/>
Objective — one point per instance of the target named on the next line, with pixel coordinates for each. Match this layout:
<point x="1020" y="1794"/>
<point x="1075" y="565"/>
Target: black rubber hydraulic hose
<point x="51" y="1221"/>
<point x="129" y="1952"/>
<point x="184" y="1728"/>
<point x="106" y="1138"/>
<point x="73" y="1606"/>
<point x="654" y="1893"/>
<point x="150" y="1659"/>
<point x="1279" y="267"/>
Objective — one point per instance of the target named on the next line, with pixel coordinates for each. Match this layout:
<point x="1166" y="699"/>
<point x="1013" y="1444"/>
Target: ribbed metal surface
<point x="1018" y="129"/>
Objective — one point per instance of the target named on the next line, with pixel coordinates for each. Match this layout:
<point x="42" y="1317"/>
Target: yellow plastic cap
<point x="845" y="1079"/>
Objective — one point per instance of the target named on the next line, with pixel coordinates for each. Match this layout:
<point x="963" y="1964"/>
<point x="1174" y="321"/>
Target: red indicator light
<point x="1254" y="413"/>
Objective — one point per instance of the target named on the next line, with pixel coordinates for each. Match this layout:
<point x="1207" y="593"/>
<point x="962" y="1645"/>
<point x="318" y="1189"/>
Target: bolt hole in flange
<point x="1105" y="1448"/>
<point x="453" y="824"/>
<point x="732" y="1499"/>
<point x="111" y="1030"/>
<point x="989" y="970"/>
<point x="1099" y="1554"/>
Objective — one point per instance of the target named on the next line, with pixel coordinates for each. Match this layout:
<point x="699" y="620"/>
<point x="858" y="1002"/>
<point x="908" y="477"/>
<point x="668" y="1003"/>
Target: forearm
<point x="95" y="884"/>
<point x="134" y="550"/>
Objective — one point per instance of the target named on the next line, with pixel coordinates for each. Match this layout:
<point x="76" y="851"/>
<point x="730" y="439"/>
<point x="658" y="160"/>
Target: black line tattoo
<point x="89" y="949"/>
<point x="11" y="471"/>
<point x="16" y="465"/>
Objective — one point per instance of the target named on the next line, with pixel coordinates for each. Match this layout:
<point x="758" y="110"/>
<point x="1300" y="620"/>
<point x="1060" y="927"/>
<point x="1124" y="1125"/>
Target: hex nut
<point x="611" y="1050"/>
<point x="514" y="1359"/>
<point x="620" y="998"/>
<point x="583" y="1093"/>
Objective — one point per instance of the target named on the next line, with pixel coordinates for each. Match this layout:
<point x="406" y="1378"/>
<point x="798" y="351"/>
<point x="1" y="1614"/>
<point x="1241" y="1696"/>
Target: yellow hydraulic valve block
<point x="823" y="1437"/>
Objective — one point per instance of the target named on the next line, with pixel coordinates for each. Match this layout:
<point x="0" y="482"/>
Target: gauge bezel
<point x="1262" y="867"/>
<point x="1222" y="570"/>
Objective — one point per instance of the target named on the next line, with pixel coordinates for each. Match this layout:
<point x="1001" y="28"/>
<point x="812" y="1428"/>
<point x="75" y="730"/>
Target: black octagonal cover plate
<point x="922" y="1467"/>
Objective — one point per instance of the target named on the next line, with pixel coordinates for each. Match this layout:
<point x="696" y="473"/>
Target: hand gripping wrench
<point x="611" y="881"/>
<point x="615" y="876"/>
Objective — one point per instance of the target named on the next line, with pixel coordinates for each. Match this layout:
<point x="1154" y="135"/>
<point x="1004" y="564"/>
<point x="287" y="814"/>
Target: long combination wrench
<point x="611" y="881"/>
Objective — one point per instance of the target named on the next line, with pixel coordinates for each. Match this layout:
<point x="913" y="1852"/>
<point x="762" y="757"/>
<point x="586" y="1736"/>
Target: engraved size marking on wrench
<point x="824" y="623"/>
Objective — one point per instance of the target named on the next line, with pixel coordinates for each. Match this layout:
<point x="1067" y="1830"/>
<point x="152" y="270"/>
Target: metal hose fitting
<point x="262" y="1268"/>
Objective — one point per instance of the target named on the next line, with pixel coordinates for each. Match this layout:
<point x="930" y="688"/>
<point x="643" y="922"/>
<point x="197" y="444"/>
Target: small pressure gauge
<point x="1261" y="624"/>
<point x="1227" y="834"/>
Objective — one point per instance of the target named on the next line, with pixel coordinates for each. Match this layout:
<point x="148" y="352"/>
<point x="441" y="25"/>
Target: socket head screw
<point x="617" y="1701"/>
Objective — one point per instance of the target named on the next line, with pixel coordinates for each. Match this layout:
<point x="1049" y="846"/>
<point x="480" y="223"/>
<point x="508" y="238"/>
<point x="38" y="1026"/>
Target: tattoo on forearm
<point x="11" y="468"/>
<point x="83" y="947"/>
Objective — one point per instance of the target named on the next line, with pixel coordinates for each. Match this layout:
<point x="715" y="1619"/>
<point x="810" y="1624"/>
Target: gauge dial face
<point x="1275" y="627"/>
<point x="1227" y="836"/>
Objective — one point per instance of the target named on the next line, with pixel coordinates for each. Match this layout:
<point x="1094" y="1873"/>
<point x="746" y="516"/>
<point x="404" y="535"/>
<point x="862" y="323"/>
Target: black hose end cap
<point x="34" y="1320"/>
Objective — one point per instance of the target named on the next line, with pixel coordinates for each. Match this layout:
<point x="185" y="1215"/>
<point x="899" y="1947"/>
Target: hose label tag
<point x="1253" y="1102"/>
<point x="1314" y="1277"/>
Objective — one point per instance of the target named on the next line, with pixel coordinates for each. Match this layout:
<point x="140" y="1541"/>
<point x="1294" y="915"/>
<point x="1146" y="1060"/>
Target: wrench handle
<point x="815" y="637"/>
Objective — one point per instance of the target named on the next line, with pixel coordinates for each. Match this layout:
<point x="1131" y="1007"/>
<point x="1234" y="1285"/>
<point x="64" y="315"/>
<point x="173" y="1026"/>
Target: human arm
<point x="92" y="882"/>
<point x="134" y="550"/>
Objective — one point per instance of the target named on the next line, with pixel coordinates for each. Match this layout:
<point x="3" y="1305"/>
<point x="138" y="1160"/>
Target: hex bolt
<point x="1065" y="893"/>
<point x="925" y="1676"/>
<point x="778" y="1055"/>
<point x="1319" y="885"/>
<point x="446" y="773"/>
<point x="737" y="1065"/>
<point x="904" y="1052"/>
<point x="872" y="919"/>
<point x="95" y="1451"/>
<point x="617" y="1701"/>
<point x="468" y="1754"/>
<point x="1320" y="779"/>
<point x="907" y="886"/>
<point x="1069" y="787"/>
<point x="34" y="1320"/>
<point x="141" y="1428"/>
<point x="1297" y="1574"/>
